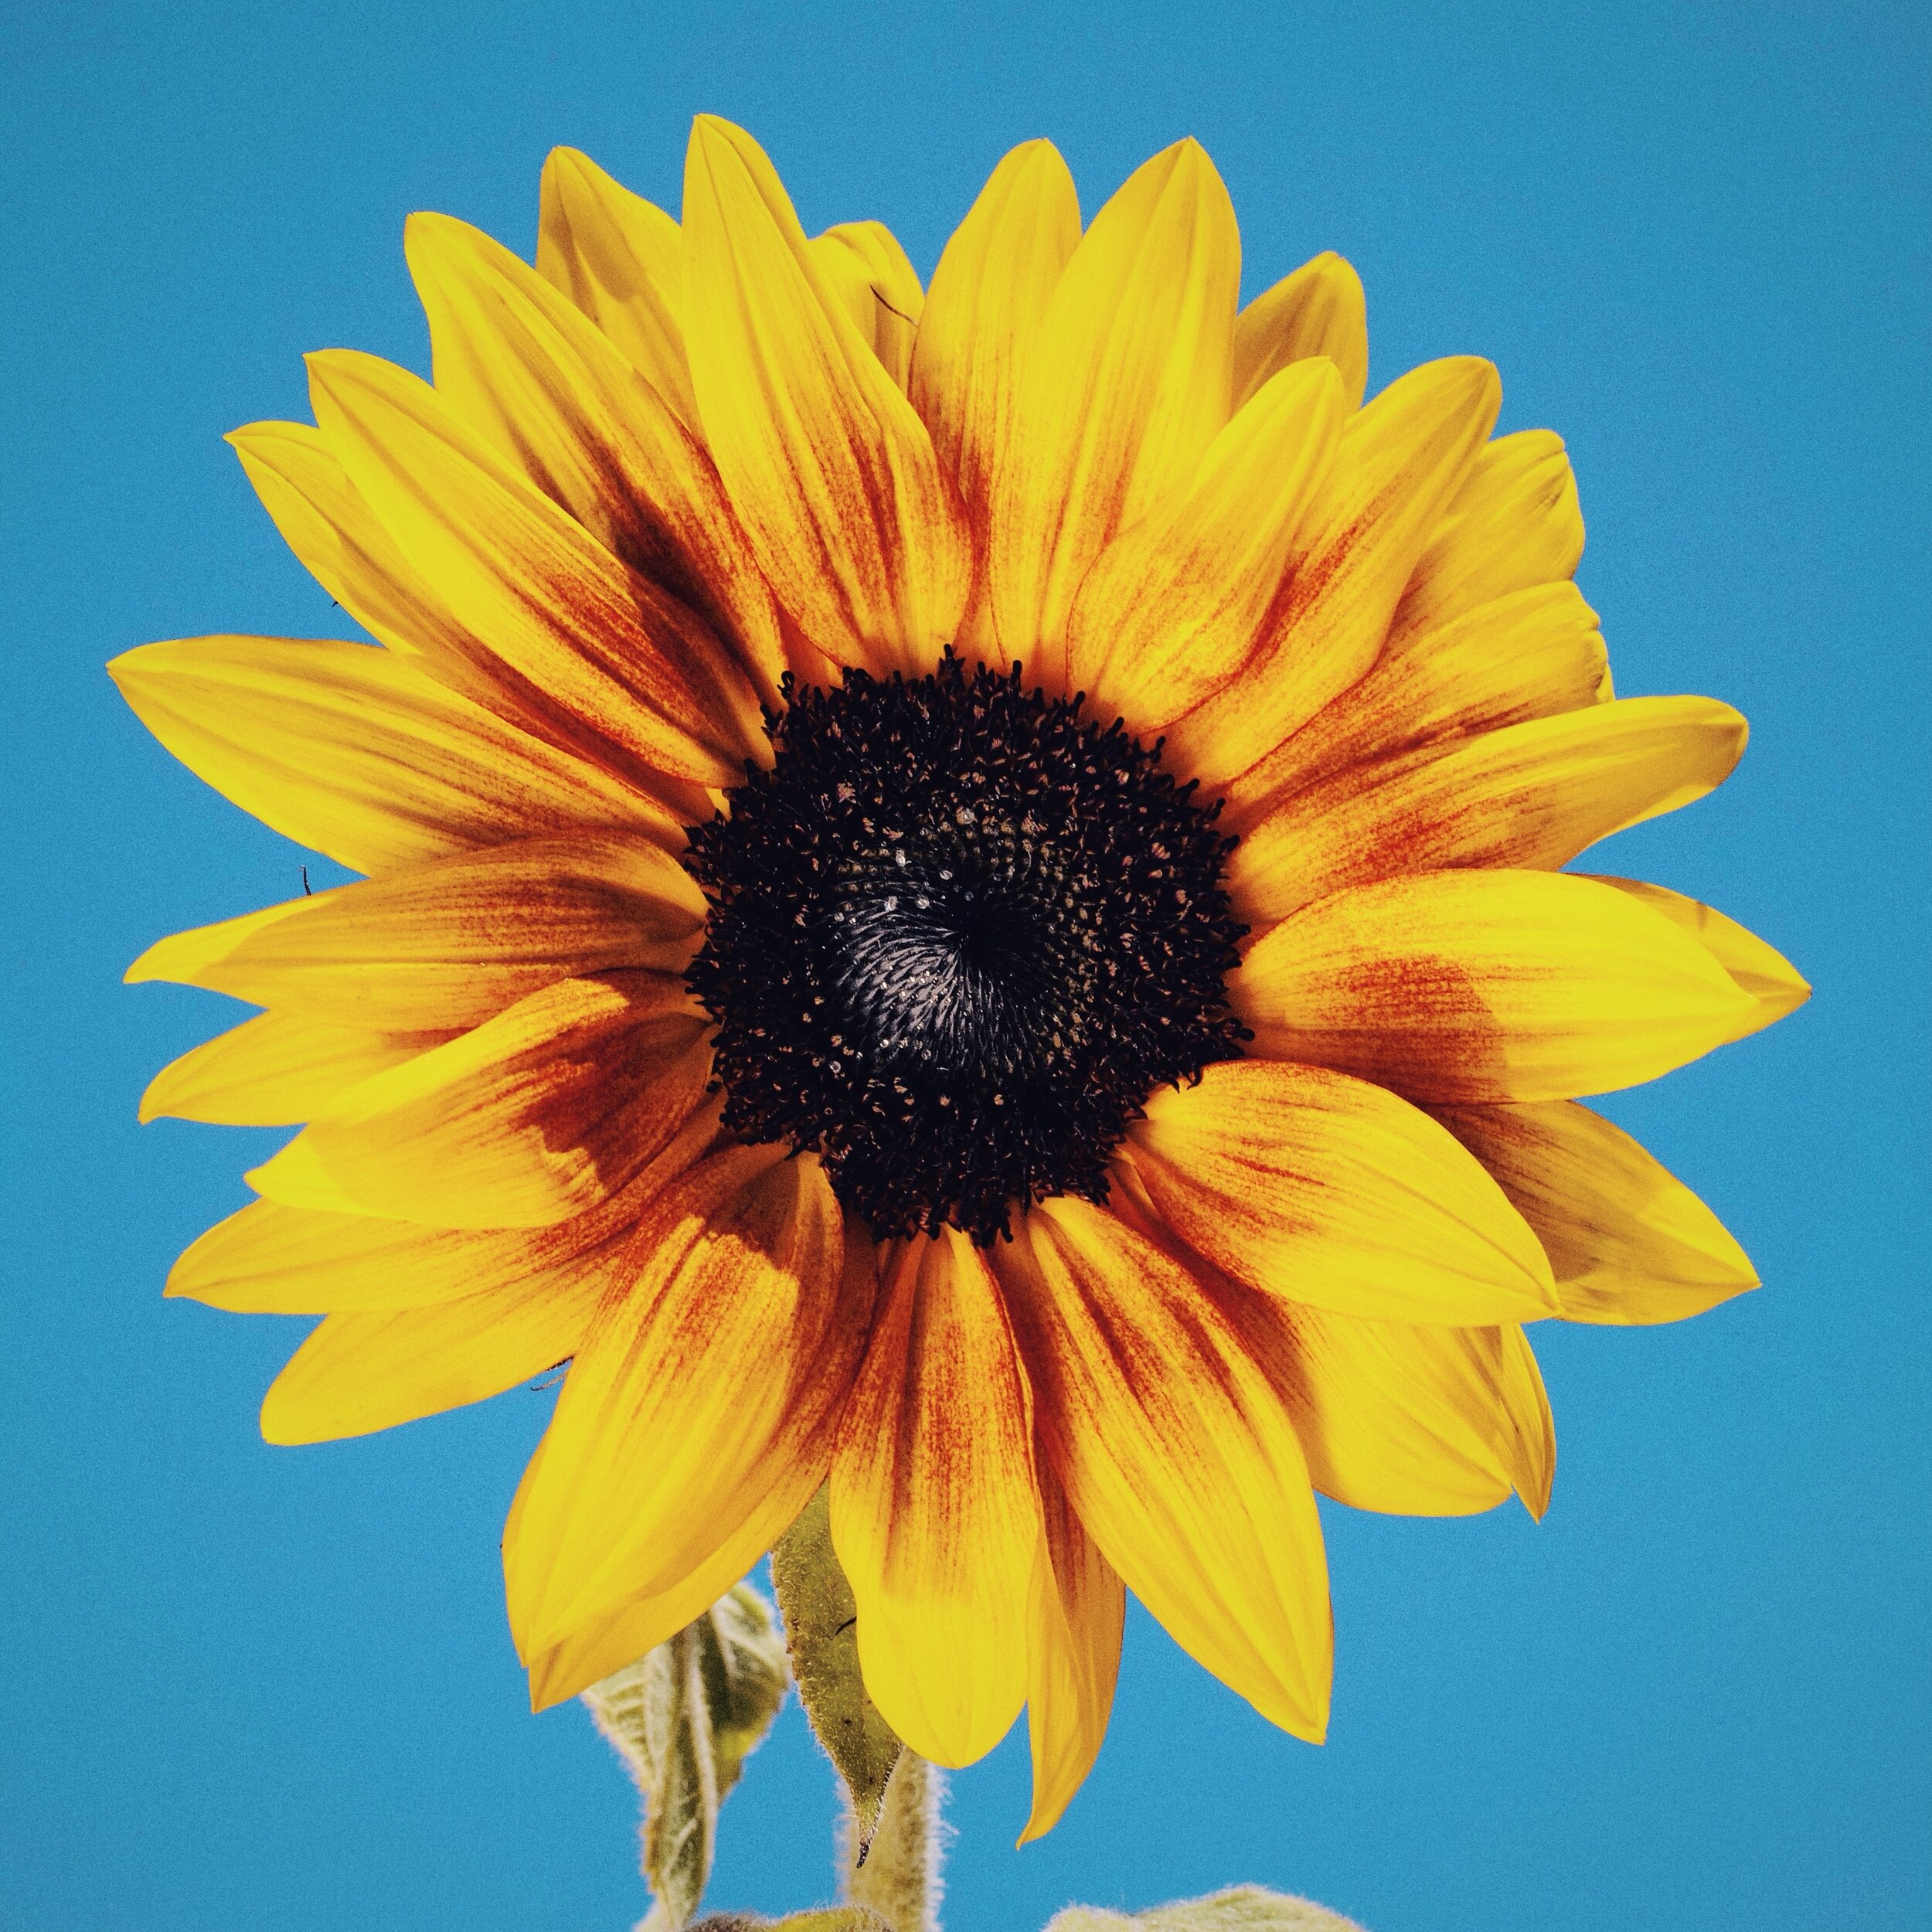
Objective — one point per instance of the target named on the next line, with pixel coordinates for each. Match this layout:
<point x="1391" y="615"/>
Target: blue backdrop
<point x="247" y="1688"/>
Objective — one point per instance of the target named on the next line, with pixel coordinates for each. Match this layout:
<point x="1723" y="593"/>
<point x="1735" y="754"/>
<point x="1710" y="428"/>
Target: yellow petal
<point x="328" y="525"/>
<point x="1774" y="983"/>
<point x="445" y="945"/>
<point x="359" y="1372"/>
<point x="608" y="1642"/>
<point x="353" y="752"/>
<point x="557" y="401"/>
<point x="1628" y="1241"/>
<point x="1175" y="605"/>
<point x="1317" y="1188"/>
<point x="180" y="958"/>
<point x="1531" y="1447"/>
<point x="533" y="1117"/>
<point x="1078" y="1610"/>
<point x="1530" y="655"/>
<point x="1176" y="1453"/>
<point x="1487" y="986"/>
<point x="271" y="1259"/>
<point x="979" y="329"/>
<point x="303" y="488"/>
<point x="1410" y="1420"/>
<point x="860" y="534"/>
<point x="1520" y="658"/>
<point x="598" y="657"/>
<point x="274" y="1070"/>
<point x="1320" y="310"/>
<point x="934" y="1512"/>
<point x="700" y="1410"/>
<point x="1398" y="463"/>
<point x="617" y="1635"/>
<point x="622" y="1631"/>
<point x="621" y="260"/>
<point x="867" y="271"/>
<point x="1129" y="382"/>
<point x="1513" y="524"/>
<point x="1532" y="795"/>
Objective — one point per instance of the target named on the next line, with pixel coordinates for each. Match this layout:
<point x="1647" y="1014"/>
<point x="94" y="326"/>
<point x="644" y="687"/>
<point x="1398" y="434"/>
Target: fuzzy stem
<point x="900" y="1877"/>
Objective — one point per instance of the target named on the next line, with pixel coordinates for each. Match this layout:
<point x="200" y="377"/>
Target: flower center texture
<point x="958" y="934"/>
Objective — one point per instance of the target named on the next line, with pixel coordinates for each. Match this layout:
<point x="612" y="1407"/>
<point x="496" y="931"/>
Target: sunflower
<point x="961" y="901"/>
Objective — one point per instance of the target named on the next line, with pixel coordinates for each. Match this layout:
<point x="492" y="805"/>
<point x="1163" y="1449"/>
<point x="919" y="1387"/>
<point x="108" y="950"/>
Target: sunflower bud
<point x="1241" y="1908"/>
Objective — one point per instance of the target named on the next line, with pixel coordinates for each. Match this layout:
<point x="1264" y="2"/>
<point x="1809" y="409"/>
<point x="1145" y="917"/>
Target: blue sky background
<point x="250" y="1688"/>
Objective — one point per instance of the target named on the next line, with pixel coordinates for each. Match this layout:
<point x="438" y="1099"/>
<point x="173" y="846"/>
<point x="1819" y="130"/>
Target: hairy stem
<point x="899" y="1879"/>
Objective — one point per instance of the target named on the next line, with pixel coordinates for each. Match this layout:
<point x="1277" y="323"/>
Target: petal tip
<point x="141" y="970"/>
<point x="279" y="1429"/>
<point x="426" y="224"/>
<point x="549" y="1686"/>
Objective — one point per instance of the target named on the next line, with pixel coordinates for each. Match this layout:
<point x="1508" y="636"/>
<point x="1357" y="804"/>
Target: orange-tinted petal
<point x="697" y="1417"/>
<point x="1487" y="986"/>
<point x="1317" y="1188"/>
<point x="1174" y="607"/>
<point x="934" y="1512"/>
<point x="1533" y="795"/>
<point x="978" y="333"/>
<point x="833" y="473"/>
<point x="1078" y="1610"/>
<point x="1399" y="462"/>
<point x="271" y="1259"/>
<point x="354" y="753"/>
<point x="1627" y="1241"/>
<point x="1176" y="1453"/>
<point x="445" y="945"/>
<point x="584" y="647"/>
<point x="530" y="1118"/>
<point x="1531" y="655"/>
<point x="1127" y="384"/>
<point x="556" y="400"/>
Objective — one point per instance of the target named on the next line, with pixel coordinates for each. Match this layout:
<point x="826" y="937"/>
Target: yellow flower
<point x="1079" y="1142"/>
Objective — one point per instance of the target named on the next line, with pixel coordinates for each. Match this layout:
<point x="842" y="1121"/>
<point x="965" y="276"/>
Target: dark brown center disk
<point x="958" y="934"/>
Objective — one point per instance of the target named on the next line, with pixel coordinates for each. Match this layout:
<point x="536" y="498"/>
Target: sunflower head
<point x="963" y="905"/>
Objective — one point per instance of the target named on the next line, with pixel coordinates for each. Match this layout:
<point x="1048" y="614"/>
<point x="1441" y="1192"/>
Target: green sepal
<point x="685" y="1717"/>
<point x="822" y="1637"/>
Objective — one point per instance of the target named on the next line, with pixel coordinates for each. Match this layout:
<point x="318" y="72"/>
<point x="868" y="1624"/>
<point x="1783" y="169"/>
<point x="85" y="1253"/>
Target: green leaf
<point x="741" y="1651"/>
<point x="1241" y="1908"/>
<point x="684" y="1717"/>
<point x="821" y="1630"/>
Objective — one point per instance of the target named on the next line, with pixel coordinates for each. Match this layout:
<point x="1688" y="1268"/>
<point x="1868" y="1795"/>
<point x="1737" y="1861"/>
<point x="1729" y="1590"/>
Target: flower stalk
<point x="898" y="1873"/>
